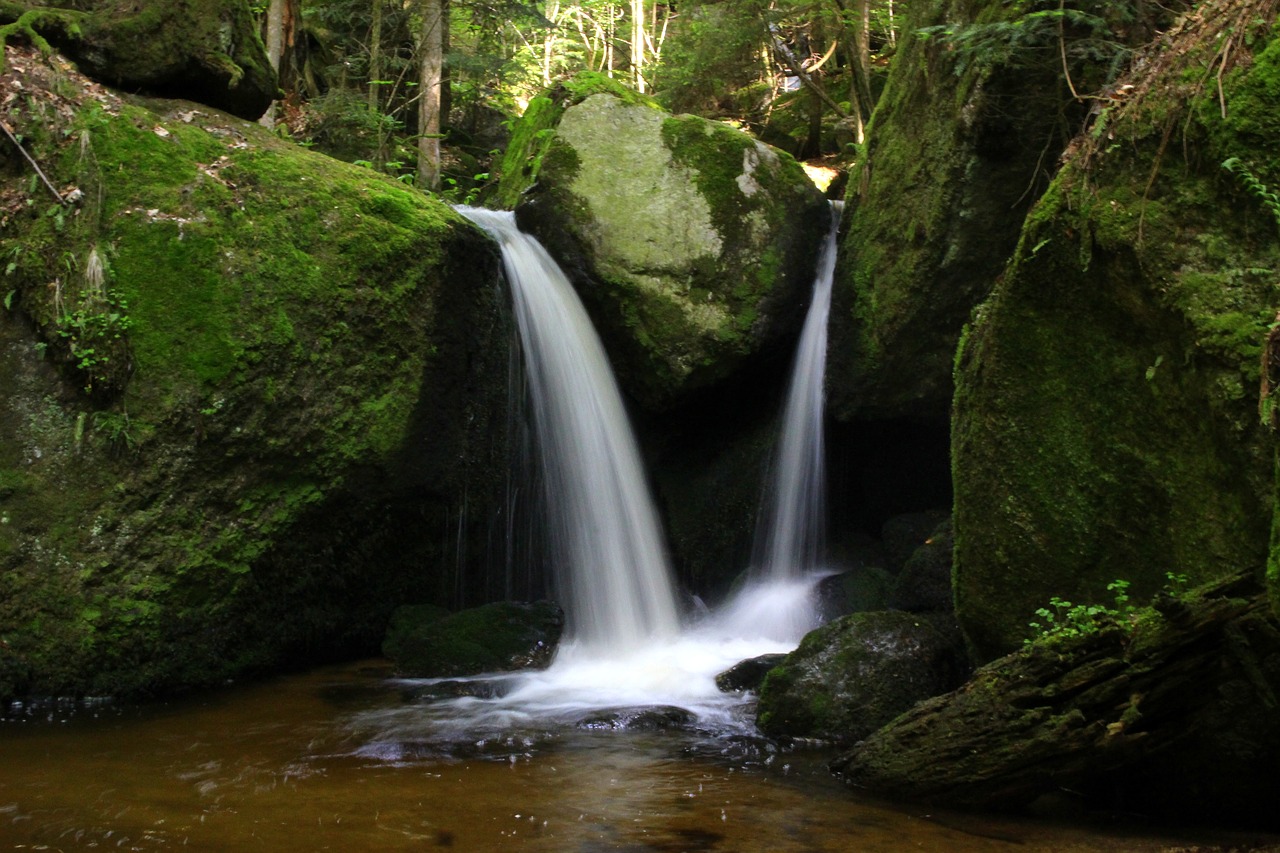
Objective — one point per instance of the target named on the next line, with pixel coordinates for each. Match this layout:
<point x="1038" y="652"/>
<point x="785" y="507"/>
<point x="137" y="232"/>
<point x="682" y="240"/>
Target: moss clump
<point x="505" y="635"/>
<point x="1105" y="419"/>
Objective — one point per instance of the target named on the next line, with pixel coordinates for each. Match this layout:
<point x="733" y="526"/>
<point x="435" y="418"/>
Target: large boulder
<point x="961" y="144"/>
<point x="851" y="676"/>
<point x="201" y="50"/>
<point x="1106" y="416"/>
<point x="693" y="246"/>
<point x="243" y="386"/>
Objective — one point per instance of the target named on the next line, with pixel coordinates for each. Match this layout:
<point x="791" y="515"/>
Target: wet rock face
<point x="748" y="674"/>
<point x="853" y="675"/>
<point x="498" y="637"/>
<point x="692" y="245"/>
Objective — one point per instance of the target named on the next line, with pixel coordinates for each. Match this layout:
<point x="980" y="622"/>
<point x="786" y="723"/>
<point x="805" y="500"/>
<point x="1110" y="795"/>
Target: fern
<point x="1253" y="186"/>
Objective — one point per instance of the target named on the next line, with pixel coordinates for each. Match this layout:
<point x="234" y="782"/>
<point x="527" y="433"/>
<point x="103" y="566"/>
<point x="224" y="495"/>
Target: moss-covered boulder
<point x="202" y="50"/>
<point x="850" y="677"/>
<point x="924" y="584"/>
<point x="422" y="642"/>
<point x="245" y="388"/>
<point x="968" y="129"/>
<point x="1106" y="416"/>
<point x="1170" y="711"/>
<point x="532" y="134"/>
<point x="693" y="246"/>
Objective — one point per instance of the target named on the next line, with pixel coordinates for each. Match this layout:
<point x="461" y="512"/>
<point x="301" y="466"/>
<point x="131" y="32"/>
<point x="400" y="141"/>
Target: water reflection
<point x="303" y="763"/>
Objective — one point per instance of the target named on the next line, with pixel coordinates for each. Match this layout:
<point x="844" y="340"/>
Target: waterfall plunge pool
<point x="349" y="758"/>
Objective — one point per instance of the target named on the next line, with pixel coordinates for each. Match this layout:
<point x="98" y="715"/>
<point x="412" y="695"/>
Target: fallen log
<point x="1172" y="709"/>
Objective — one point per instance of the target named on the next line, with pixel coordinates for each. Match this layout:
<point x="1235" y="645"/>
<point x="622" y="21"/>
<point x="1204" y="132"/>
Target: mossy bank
<point x="1106" y="416"/>
<point x="243" y="382"/>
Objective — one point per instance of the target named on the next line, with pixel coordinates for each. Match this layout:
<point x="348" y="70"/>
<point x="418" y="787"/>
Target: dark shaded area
<point x="877" y="470"/>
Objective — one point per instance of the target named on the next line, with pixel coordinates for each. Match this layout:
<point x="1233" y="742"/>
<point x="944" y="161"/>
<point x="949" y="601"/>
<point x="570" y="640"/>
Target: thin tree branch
<point x="34" y="165"/>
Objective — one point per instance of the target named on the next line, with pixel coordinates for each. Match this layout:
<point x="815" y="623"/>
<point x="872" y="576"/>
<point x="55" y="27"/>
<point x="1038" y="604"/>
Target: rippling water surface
<point x="347" y="758"/>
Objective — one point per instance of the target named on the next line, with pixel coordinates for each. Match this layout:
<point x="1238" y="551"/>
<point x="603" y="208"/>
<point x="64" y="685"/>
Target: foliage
<point x="1090" y="38"/>
<point x="1255" y="187"/>
<point x="1062" y="619"/>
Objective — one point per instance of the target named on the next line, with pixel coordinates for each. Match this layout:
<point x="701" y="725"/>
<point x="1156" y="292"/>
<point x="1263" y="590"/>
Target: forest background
<point x="426" y="90"/>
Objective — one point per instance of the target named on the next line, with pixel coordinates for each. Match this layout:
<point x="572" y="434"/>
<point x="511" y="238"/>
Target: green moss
<point x="1105" y="419"/>
<point x="307" y="349"/>
<point x="501" y="636"/>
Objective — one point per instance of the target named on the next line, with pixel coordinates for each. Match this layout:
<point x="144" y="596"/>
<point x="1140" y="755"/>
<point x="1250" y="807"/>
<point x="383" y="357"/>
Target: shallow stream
<point x="346" y="758"/>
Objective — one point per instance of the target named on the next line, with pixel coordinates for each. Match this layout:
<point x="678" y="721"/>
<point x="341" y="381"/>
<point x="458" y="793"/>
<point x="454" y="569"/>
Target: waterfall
<point x="792" y="529"/>
<point x="611" y="568"/>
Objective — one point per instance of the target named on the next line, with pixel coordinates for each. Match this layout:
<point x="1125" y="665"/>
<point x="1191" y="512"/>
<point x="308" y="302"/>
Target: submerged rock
<point x="497" y="637"/>
<point x="748" y="674"/>
<point x="693" y="246"/>
<point x="659" y="718"/>
<point x="850" y="677"/>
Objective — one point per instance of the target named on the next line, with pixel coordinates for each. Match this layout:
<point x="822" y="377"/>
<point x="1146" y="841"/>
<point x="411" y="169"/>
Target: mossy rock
<point x="201" y="50"/>
<point x="856" y="591"/>
<point x="924" y="584"/>
<point x="851" y="676"/>
<point x="236" y="374"/>
<point x="1170" y="712"/>
<point x="532" y="133"/>
<point x="961" y="144"/>
<point x="1106" y="416"/>
<point x="497" y="637"/>
<point x="693" y="246"/>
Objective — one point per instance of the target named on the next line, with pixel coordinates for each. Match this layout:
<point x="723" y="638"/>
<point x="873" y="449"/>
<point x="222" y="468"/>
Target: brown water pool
<point x="301" y="763"/>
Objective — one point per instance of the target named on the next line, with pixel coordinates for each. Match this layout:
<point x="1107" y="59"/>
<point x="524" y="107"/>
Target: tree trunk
<point x="431" y="50"/>
<point x="275" y="49"/>
<point x="375" y="55"/>
<point x="637" y="43"/>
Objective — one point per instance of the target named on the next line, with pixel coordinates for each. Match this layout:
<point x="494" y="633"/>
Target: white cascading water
<point x="626" y="649"/>
<point x="792" y="530"/>
<point x="605" y="537"/>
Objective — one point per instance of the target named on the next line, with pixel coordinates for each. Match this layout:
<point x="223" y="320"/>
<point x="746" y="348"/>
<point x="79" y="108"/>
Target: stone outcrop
<point x="201" y="50"/>
<point x="1169" y="710"/>
<point x="1106" y="416"/>
<point x="851" y="676"/>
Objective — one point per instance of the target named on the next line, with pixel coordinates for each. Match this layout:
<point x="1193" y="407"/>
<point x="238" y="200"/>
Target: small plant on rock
<point x="1062" y="619"/>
